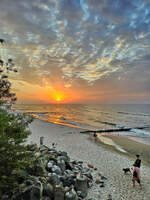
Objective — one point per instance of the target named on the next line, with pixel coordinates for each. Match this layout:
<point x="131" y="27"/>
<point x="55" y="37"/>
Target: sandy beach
<point x="109" y="164"/>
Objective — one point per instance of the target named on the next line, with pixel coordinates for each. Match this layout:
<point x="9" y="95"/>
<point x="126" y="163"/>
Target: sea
<point x="95" y="117"/>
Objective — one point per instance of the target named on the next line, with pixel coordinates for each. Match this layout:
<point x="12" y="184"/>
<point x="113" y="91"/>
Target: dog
<point x="126" y="170"/>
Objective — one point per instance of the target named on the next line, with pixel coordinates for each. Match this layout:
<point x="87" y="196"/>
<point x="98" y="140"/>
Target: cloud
<point x="77" y="40"/>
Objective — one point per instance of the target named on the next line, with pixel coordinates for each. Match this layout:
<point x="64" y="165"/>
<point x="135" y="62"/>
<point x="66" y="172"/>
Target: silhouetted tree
<point x="5" y="85"/>
<point x="14" y="157"/>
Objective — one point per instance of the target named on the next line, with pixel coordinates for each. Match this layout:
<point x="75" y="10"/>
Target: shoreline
<point x="110" y="164"/>
<point x="129" y="145"/>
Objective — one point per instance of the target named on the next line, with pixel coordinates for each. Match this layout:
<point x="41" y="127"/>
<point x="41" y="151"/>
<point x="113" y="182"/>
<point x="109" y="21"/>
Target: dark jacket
<point x="138" y="162"/>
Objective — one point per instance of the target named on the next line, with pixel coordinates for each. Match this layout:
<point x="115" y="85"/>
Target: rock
<point x="66" y="159"/>
<point x="56" y="169"/>
<point x="48" y="190"/>
<point x="81" y="184"/>
<point x="62" y="165"/>
<point x="6" y="197"/>
<point x="68" y="180"/>
<point x="46" y="198"/>
<point x="49" y="165"/>
<point x="90" y="166"/>
<point x="58" y="177"/>
<point x="53" y="179"/>
<point x="81" y="194"/>
<point x="71" y="195"/>
<point x="31" y="193"/>
<point x="89" y="175"/>
<point x="63" y="153"/>
<point x="69" y="166"/>
<point x="67" y="189"/>
<point x="59" y="193"/>
<point x="80" y="162"/>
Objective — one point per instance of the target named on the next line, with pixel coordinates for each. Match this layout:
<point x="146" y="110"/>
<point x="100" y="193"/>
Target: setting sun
<point x="58" y="96"/>
<point x="58" y="99"/>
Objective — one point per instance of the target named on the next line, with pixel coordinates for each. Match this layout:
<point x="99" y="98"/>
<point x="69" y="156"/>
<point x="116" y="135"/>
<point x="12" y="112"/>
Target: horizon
<point x="78" y="51"/>
<point x="91" y="103"/>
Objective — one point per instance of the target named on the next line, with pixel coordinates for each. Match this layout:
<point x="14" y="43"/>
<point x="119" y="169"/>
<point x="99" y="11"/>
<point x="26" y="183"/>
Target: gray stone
<point x="49" y="165"/>
<point x="62" y="165"/>
<point x="68" y="180"/>
<point x="59" y="193"/>
<point x="54" y="179"/>
<point x="63" y="153"/>
<point x="81" y="184"/>
<point x="71" y="195"/>
<point x="48" y="190"/>
<point x="56" y="169"/>
<point x="46" y="198"/>
<point x="31" y="193"/>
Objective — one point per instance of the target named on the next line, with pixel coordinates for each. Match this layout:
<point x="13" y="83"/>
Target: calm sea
<point x="95" y="116"/>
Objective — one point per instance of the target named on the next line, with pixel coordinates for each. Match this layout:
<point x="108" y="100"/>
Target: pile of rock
<point x="54" y="176"/>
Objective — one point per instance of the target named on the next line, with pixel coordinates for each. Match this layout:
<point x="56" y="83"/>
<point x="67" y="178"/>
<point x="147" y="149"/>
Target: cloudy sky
<point x="78" y="51"/>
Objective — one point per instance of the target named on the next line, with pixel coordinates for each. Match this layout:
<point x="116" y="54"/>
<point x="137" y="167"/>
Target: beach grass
<point x="130" y="146"/>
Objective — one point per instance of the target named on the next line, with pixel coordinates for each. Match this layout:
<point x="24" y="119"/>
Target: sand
<point x="131" y="145"/>
<point x="110" y="164"/>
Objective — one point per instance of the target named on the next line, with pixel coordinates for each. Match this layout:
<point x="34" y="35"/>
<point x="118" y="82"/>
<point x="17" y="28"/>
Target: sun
<point x="58" y="96"/>
<point x="58" y="99"/>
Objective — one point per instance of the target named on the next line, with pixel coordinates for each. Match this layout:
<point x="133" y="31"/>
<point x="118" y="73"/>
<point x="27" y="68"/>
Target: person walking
<point x="135" y="176"/>
<point x="136" y="171"/>
<point x="138" y="161"/>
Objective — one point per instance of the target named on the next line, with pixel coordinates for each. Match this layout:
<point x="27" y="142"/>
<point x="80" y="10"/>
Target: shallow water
<point x="94" y="116"/>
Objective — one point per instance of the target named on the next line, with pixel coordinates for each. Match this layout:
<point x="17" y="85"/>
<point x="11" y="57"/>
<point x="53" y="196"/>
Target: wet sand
<point x="131" y="145"/>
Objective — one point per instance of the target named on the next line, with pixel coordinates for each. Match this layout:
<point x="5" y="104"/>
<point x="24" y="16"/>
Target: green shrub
<point x="14" y="155"/>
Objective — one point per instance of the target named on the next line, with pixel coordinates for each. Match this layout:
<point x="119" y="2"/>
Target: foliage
<point x="14" y="154"/>
<point x="13" y="151"/>
<point x="5" y="85"/>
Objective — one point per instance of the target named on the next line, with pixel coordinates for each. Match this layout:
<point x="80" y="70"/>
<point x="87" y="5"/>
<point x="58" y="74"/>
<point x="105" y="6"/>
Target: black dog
<point x="126" y="170"/>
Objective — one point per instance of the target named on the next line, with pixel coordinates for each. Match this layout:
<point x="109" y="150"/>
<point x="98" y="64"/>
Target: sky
<point x="78" y="51"/>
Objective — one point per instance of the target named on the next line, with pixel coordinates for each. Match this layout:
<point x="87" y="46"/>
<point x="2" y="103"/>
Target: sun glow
<point x="58" y="99"/>
<point x="58" y="96"/>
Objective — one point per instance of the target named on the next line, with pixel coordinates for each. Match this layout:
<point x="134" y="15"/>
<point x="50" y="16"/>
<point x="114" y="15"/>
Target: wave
<point x="107" y="123"/>
<point x="140" y="132"/>
<point x="137" y="114"/>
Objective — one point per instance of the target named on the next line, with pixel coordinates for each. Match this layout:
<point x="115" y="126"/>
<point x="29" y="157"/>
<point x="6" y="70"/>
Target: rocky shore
<point x="54" y="176"/>
<point x="108" y="164"/>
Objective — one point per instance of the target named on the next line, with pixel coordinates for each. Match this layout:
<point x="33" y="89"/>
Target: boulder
<point x="68" y="180"/>
<point x="46" y="198"/>
<point x="31" y="193"/>
<point x="59" y="193"/>
<point x="56" y="169"/>
<point x="54" y="179"/>
<point x="48" y="190"/>
<point x="62" y="165"/>
<point x="71" y="195"/>
<point x="81" y="184"/>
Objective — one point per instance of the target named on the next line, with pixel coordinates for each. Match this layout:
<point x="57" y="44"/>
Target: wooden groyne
<point x="112" y="130"/>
